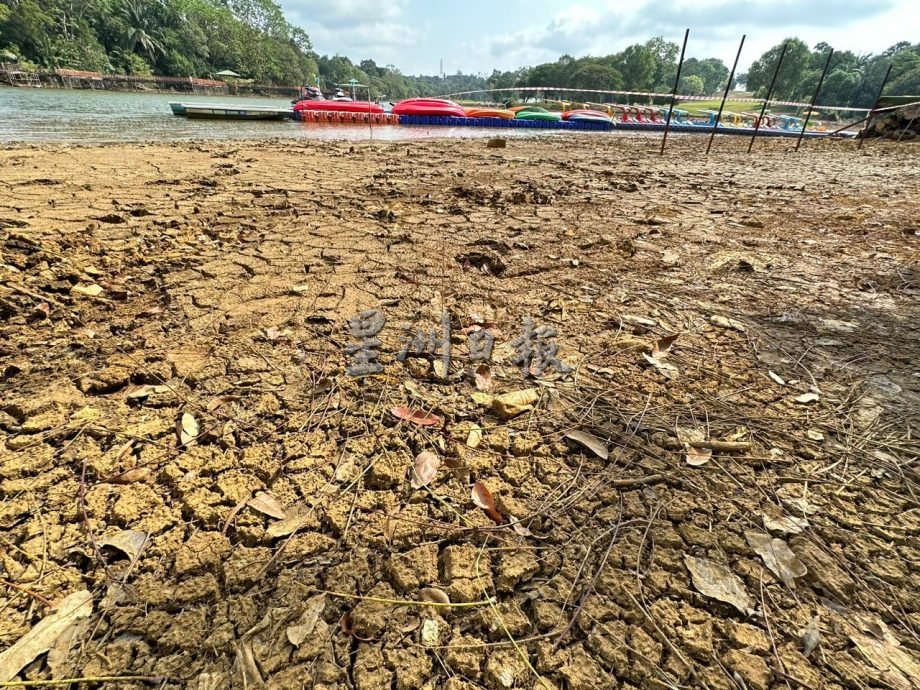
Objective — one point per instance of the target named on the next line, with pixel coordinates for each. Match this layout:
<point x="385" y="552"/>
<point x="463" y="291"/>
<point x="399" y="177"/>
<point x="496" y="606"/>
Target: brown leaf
<point x="419" y="417"/>
<point x="267" y="504"/>
<point x="130" y="542"/>
<point x="483" y="377"/>
<point x="512" y="404"/>
<point x="483" y="498"/>
<point x="187" y="429"/>
<point x="434" y="595"/>
<point x="589" y="441"/>
<point x="221" y="400"/>
<point x="293" y="520"/>
<point x="717" y="581"/>
<point x="426" y="469"/>
<point x="474" y="438"/>
<point x="698" y="456"/>
<point x="147" y="391"/>
<point x="135" y="474"/>
<point x="297" y="633"/>
<point x="661" y="347"/>
<point x="777" y="556"/>
<point x="86" y="290"/>
<point x="44" y="634"/>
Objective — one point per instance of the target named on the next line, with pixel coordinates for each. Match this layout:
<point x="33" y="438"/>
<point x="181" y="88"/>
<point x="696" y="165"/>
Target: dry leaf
<point x="419" y="417"/>
<point x="267" y="504"/>
<point x="130" y="542"/>
<point x="776" y="378"/>
<point x="293" y="521"/>
<point x="898" y="668"/>
<point x="425" y="470"/>
<point x="482" y="398"/>
<point x="718" y="582"/>
<point x="669" y="371"/>
<point x="307" y="621"/>
<point x="187" y="429"/>
<point x="483" y="377"/>
<point x="221" y="400"/>
<point x="807" y="398"/>
<point x="135" y="474"/>
<point x="147" y="391"/>
<point x="246" y="666"/>
<point x="44" y="634"/>
<point x="434" y="595"/>
<point x="589" y="441"/>
<point x="697" y="457"/>
<point x="273" y="334"/>
<point x="787" y="524"/>
<point x="777" y="556"/>
<point x="514" y="403"/>
<point x="483" y="498"/>
<point x="661" y="348"/>
<point x="811" y="636"/>
<point x="724" y="322"/>
<point x="475" y="436"/>
<point x="86" y="290"/>
<point x="431" y="633"/>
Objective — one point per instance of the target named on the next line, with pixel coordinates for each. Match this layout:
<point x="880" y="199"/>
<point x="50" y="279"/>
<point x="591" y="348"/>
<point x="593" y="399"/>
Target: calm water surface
<point x="77" y="116"/>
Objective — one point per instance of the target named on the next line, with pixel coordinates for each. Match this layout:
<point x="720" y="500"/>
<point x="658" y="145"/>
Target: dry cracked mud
<point x="180" y="439"/>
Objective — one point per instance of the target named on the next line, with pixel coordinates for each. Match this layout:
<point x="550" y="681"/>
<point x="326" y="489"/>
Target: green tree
<point x="144" y="27"/>
<point x="692" y="85"/>
<point x="791" y="82"/>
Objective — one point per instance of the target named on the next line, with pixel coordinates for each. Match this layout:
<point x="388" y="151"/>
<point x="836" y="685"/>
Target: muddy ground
<point x="186" y="459"/>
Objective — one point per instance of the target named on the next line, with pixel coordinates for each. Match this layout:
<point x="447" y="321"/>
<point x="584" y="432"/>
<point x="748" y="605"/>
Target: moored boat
<point x="490" y="112"/>
<point x="584" y="115"/>
<point x="339" y="106"/>
<point x="429" y="106"/>
<point x="236" y="112"/>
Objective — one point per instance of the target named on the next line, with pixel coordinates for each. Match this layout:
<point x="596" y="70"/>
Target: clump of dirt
<point x="184" y="455"/>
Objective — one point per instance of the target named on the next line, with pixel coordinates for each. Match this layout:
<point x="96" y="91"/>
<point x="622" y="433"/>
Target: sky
<point x="477" y="36"/>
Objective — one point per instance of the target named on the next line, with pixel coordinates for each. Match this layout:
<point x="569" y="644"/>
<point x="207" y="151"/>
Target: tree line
<point x="253" y="38"/>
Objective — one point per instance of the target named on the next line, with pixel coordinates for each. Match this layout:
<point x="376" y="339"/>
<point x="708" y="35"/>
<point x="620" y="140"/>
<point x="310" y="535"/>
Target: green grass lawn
<point x="730" y="106"/>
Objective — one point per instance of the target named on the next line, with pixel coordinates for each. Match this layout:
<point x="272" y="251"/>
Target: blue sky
<point x="477" y="35"/>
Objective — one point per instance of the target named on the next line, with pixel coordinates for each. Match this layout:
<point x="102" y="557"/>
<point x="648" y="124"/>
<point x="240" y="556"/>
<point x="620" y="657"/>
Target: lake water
<point x="89" y="116"/>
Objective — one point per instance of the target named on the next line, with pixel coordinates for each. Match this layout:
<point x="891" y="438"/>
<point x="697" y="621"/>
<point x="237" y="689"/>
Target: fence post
<point x="814" y="100"/>
<point x="779" y="63"/>
<point x="728" y="86"/>
<point x="874" y="108"/>
<point x="667" y="124"/>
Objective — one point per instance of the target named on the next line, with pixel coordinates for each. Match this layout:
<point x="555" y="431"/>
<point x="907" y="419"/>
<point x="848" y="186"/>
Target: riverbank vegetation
<point x="198" y="38"/>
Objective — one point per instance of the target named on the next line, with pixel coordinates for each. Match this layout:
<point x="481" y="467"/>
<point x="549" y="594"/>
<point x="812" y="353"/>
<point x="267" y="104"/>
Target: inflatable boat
<point x="489" y="112"/>
<point x="338" y="106"/>
<point x="585" y="116"/>
<point x="534" y="113"/>
<point x="429" y="106"/>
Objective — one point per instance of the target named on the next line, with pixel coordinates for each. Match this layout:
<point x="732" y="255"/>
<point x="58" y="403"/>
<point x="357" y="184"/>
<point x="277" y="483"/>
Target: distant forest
<point x="253" y="38"/>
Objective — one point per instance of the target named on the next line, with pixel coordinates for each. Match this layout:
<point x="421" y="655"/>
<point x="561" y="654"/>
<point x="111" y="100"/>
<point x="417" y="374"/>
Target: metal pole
<point x="769" y="96"/>
<point x="814" y="100"/>
<point x="874" y="108"/>
<point x="667" y="124"/>
<point x="728" y="86"/>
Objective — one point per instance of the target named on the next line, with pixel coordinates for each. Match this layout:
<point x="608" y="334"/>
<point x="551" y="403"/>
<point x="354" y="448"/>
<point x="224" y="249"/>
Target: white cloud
<point x="714" y="27"/>
<point x="357" y="29"/>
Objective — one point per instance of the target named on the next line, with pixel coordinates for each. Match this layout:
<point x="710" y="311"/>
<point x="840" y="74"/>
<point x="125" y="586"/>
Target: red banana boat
<point x="429" y="106"/>
<point x="339" y="106"/>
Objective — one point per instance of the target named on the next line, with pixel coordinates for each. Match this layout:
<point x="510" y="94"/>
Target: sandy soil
<point x="184" y="455"/>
